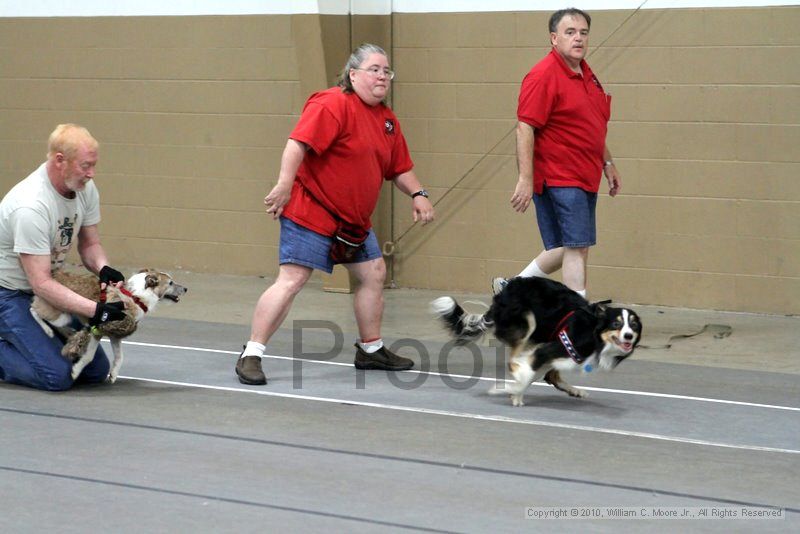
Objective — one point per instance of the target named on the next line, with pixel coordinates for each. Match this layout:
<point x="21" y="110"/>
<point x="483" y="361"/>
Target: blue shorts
<point x="301" y="246"/>
<point x="566" y="217"/>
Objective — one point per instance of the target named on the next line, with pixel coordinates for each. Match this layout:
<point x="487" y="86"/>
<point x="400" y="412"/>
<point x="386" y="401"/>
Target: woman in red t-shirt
<point x="346" y="143"/>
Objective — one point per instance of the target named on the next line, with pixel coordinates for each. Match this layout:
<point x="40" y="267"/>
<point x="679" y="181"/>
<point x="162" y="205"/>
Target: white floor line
<point x="477" y="417"/>
<point x="490" y="379"/>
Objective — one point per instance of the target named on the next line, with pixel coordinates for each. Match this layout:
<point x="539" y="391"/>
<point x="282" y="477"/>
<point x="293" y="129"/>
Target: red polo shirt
<point x="354" y="147"/>
<point x="570" y="113"/>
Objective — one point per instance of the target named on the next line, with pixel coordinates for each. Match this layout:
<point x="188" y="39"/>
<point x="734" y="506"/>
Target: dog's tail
<point x="76" y="345"/>
<point x="464" y="327"/>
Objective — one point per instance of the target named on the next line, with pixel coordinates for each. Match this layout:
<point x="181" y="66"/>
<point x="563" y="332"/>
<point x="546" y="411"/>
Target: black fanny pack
<point x="347" y="242"/>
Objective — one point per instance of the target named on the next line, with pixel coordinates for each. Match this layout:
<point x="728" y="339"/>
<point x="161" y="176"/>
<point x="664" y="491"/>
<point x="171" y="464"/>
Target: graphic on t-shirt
<point x="66" y="229"/>
<point x="389" y="125"/>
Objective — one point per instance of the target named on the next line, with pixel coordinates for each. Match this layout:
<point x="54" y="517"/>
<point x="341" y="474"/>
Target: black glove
<point x="107" y="312"/>
<point x="109" y="275"/>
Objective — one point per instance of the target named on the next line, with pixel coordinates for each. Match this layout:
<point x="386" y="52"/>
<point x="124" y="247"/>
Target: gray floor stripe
<point x="218" y="498"/>
<point x="417" y="461"/>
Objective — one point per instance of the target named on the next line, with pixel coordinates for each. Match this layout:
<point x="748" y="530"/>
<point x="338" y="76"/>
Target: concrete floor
<point x="178" y="444"/>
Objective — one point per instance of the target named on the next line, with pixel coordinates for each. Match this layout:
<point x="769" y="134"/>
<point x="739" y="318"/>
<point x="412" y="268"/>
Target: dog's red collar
<point x="561" y="325"/>
<point x="127" y="293"/>
<point x="560" y="333"/>
<point x="135" y="299"/>
<point x="569" y="347"/>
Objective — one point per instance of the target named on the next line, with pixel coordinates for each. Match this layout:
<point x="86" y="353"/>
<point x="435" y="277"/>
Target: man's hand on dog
<point x="106" y="312"/>
<point x="109" y="275"/>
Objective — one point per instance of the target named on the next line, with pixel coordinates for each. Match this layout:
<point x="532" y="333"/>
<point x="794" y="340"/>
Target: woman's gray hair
<point x="357" y="58"/>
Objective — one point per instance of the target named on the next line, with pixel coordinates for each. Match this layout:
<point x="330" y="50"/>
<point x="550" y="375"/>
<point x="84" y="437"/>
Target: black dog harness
<point x="560" y="332"/>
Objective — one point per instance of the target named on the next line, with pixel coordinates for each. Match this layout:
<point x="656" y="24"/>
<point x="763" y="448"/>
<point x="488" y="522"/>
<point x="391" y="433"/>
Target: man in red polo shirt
<point x="563" y="114"/>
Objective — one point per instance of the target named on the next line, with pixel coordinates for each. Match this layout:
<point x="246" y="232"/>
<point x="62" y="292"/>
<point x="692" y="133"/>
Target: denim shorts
<point x="566" y="217"/>
<point x="301" y="246"/>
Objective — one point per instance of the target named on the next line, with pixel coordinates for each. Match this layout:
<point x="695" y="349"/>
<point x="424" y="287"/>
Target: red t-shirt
<point x="570" y="113"/>
<point x="353" y="148"/>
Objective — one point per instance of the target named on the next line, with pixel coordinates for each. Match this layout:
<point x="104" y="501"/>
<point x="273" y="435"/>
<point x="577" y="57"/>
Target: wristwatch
<point x="420" y="193"/>
<point x="607" y="163"/>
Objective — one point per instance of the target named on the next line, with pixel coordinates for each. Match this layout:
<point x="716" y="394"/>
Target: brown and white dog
<point x="140" y="293"/>
<point x="549" y="328"/>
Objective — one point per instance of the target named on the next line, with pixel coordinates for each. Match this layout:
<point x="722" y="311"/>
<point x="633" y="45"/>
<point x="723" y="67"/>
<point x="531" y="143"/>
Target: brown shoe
<point x="249" y="371"/>
<point x="381" y="359"/>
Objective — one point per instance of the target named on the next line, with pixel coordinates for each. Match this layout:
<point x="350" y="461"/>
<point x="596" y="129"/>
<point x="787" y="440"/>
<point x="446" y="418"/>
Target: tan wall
<point x="193" y="113"/>
<point x="704" y="131"/>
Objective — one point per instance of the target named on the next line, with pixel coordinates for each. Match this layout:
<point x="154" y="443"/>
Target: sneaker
<point x="498" y="285"/>
<point x="249" y="370"/>
<point x="381" y="359"/>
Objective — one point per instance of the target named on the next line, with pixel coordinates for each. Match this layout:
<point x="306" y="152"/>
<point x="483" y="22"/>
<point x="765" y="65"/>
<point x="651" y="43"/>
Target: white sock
<point x="253" y="348"/>
<point x="533" y="270"/>
<point x="582" y="293"/>
<point x="372" y="346"/>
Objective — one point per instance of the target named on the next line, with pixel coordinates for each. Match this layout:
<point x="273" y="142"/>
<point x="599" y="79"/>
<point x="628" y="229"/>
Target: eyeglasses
<point x="377" y="71"/>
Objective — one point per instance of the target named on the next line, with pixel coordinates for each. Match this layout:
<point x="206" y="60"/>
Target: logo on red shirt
<point x="389" y="125"/>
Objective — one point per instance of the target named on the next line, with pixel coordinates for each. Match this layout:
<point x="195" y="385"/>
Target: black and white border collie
<point x="549" y="328"/>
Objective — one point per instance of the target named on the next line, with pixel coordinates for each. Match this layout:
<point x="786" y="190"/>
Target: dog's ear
<point x="598" y="309"/>
<point x="151" y="280"/>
